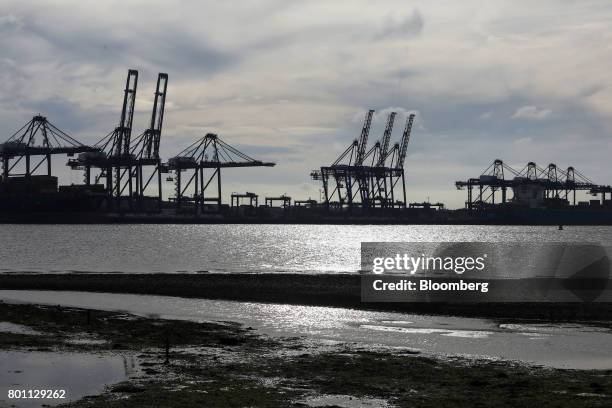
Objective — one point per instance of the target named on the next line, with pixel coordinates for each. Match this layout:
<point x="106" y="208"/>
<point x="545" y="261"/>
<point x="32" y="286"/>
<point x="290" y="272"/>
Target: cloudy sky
<point x="289" y="81"/>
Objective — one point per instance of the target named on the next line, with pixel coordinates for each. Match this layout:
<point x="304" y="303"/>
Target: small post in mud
<point x="167" y="349"/>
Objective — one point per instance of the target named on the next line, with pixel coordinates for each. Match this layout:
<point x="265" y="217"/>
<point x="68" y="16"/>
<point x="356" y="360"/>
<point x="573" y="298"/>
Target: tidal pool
<point x="78" y="374"/>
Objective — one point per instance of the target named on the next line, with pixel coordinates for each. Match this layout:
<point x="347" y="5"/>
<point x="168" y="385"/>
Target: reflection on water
<point x="78" y="374"/>
<point x="345" y="401"/>
<point x="562" y="346"/>
<point x="475" y="334"/>
<point x="245" y="248"/>
<point x="8" y="327"/>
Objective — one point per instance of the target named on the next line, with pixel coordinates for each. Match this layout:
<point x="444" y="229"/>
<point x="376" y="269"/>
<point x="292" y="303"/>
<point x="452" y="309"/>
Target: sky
<point x="290" y="81"/>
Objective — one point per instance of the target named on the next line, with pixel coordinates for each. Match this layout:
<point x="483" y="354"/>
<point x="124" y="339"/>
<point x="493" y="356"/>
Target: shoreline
<point x="520" y="216"/>
<point x="332" y="290"/>
<point x="186" y="363"/>
<point x="54" y="219"/>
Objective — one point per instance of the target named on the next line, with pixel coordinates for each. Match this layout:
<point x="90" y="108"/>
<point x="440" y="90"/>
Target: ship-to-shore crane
<point x="371" y="176"/>
<point x="123" y="162"/>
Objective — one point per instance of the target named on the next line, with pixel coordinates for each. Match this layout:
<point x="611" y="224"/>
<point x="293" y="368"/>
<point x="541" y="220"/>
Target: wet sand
<point x="340" y="290"/>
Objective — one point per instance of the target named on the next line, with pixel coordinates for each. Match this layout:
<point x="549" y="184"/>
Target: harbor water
<point x="138" y="248"/>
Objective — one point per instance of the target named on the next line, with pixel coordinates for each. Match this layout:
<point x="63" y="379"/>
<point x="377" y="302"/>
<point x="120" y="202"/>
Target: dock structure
<point x="38" y="139"/>
<point x="122" y="161"/>
<point x="114" y="160"/>
<point x="145" y="147"/>
<point x="306" y="203"/>
<point x="604" y="190"/>
<point x="237" y="199"/>
<point x="371" y="178"/>
<point x="123" y="176"/>
<point x="427" y="205"/>
<point x="197" y="171"/>
<point x="284" y="199"/>
<point x="532" y="186"/>
<point x="123" y="172"/>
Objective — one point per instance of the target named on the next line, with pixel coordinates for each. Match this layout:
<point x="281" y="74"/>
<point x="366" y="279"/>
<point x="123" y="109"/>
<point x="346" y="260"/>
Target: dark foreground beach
<point x="340" y="290"/>
<point x="185" y="363"/>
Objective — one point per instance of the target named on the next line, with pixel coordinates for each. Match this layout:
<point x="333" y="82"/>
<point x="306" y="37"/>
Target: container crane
<point x="37" y="138"/>
<point x="145" y="147"/>
<point x="114" y="157"/>
<point x="208" y="153"/>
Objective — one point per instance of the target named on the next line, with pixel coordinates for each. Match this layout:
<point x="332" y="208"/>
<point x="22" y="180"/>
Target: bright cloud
<point x="531" y="112"/>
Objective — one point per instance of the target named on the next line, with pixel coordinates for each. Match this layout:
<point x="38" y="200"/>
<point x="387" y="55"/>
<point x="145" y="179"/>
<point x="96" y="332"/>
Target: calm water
<point x="235" y="248"/>
<point x="560" y="345"/>
<point x="79" y="374"/>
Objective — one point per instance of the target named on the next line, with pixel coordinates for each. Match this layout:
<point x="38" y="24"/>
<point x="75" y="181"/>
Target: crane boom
<point x="384" y="146"/>
<point x="363" y="139"/>
<point x="401" y="157"/>
<point x="123" y="132"/>
<point x="153" y="134"/>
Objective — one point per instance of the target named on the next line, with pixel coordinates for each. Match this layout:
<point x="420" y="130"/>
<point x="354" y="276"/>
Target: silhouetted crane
<point x="209" y="152"/>
<point x="367" y="175"/>
<point x="145" y="147"/>
<point x="38" y="137"/>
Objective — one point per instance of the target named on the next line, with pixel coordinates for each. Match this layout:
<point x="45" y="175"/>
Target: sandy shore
<point x="341" y="290"/>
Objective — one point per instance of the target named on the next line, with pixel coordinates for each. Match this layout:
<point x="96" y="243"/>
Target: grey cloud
<point x="407" y="26"/>
<point x="63" y="113"/>
<point x="38" y="40"/>
<point x="10" y="22"/>
<point x="403" y="73"/>
<point x="266" y="149"/>
<point x="185" y="52"/>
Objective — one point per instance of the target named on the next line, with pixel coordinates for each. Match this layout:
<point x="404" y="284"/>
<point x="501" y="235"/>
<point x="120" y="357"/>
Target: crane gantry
<point x="145" y="148"/>
<point x="37" y="138"/>
<point x="367" y="179"/>
<point x="531" y="186"/>
<point x="208" y="154"/>
<point x="121" y="161"/>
